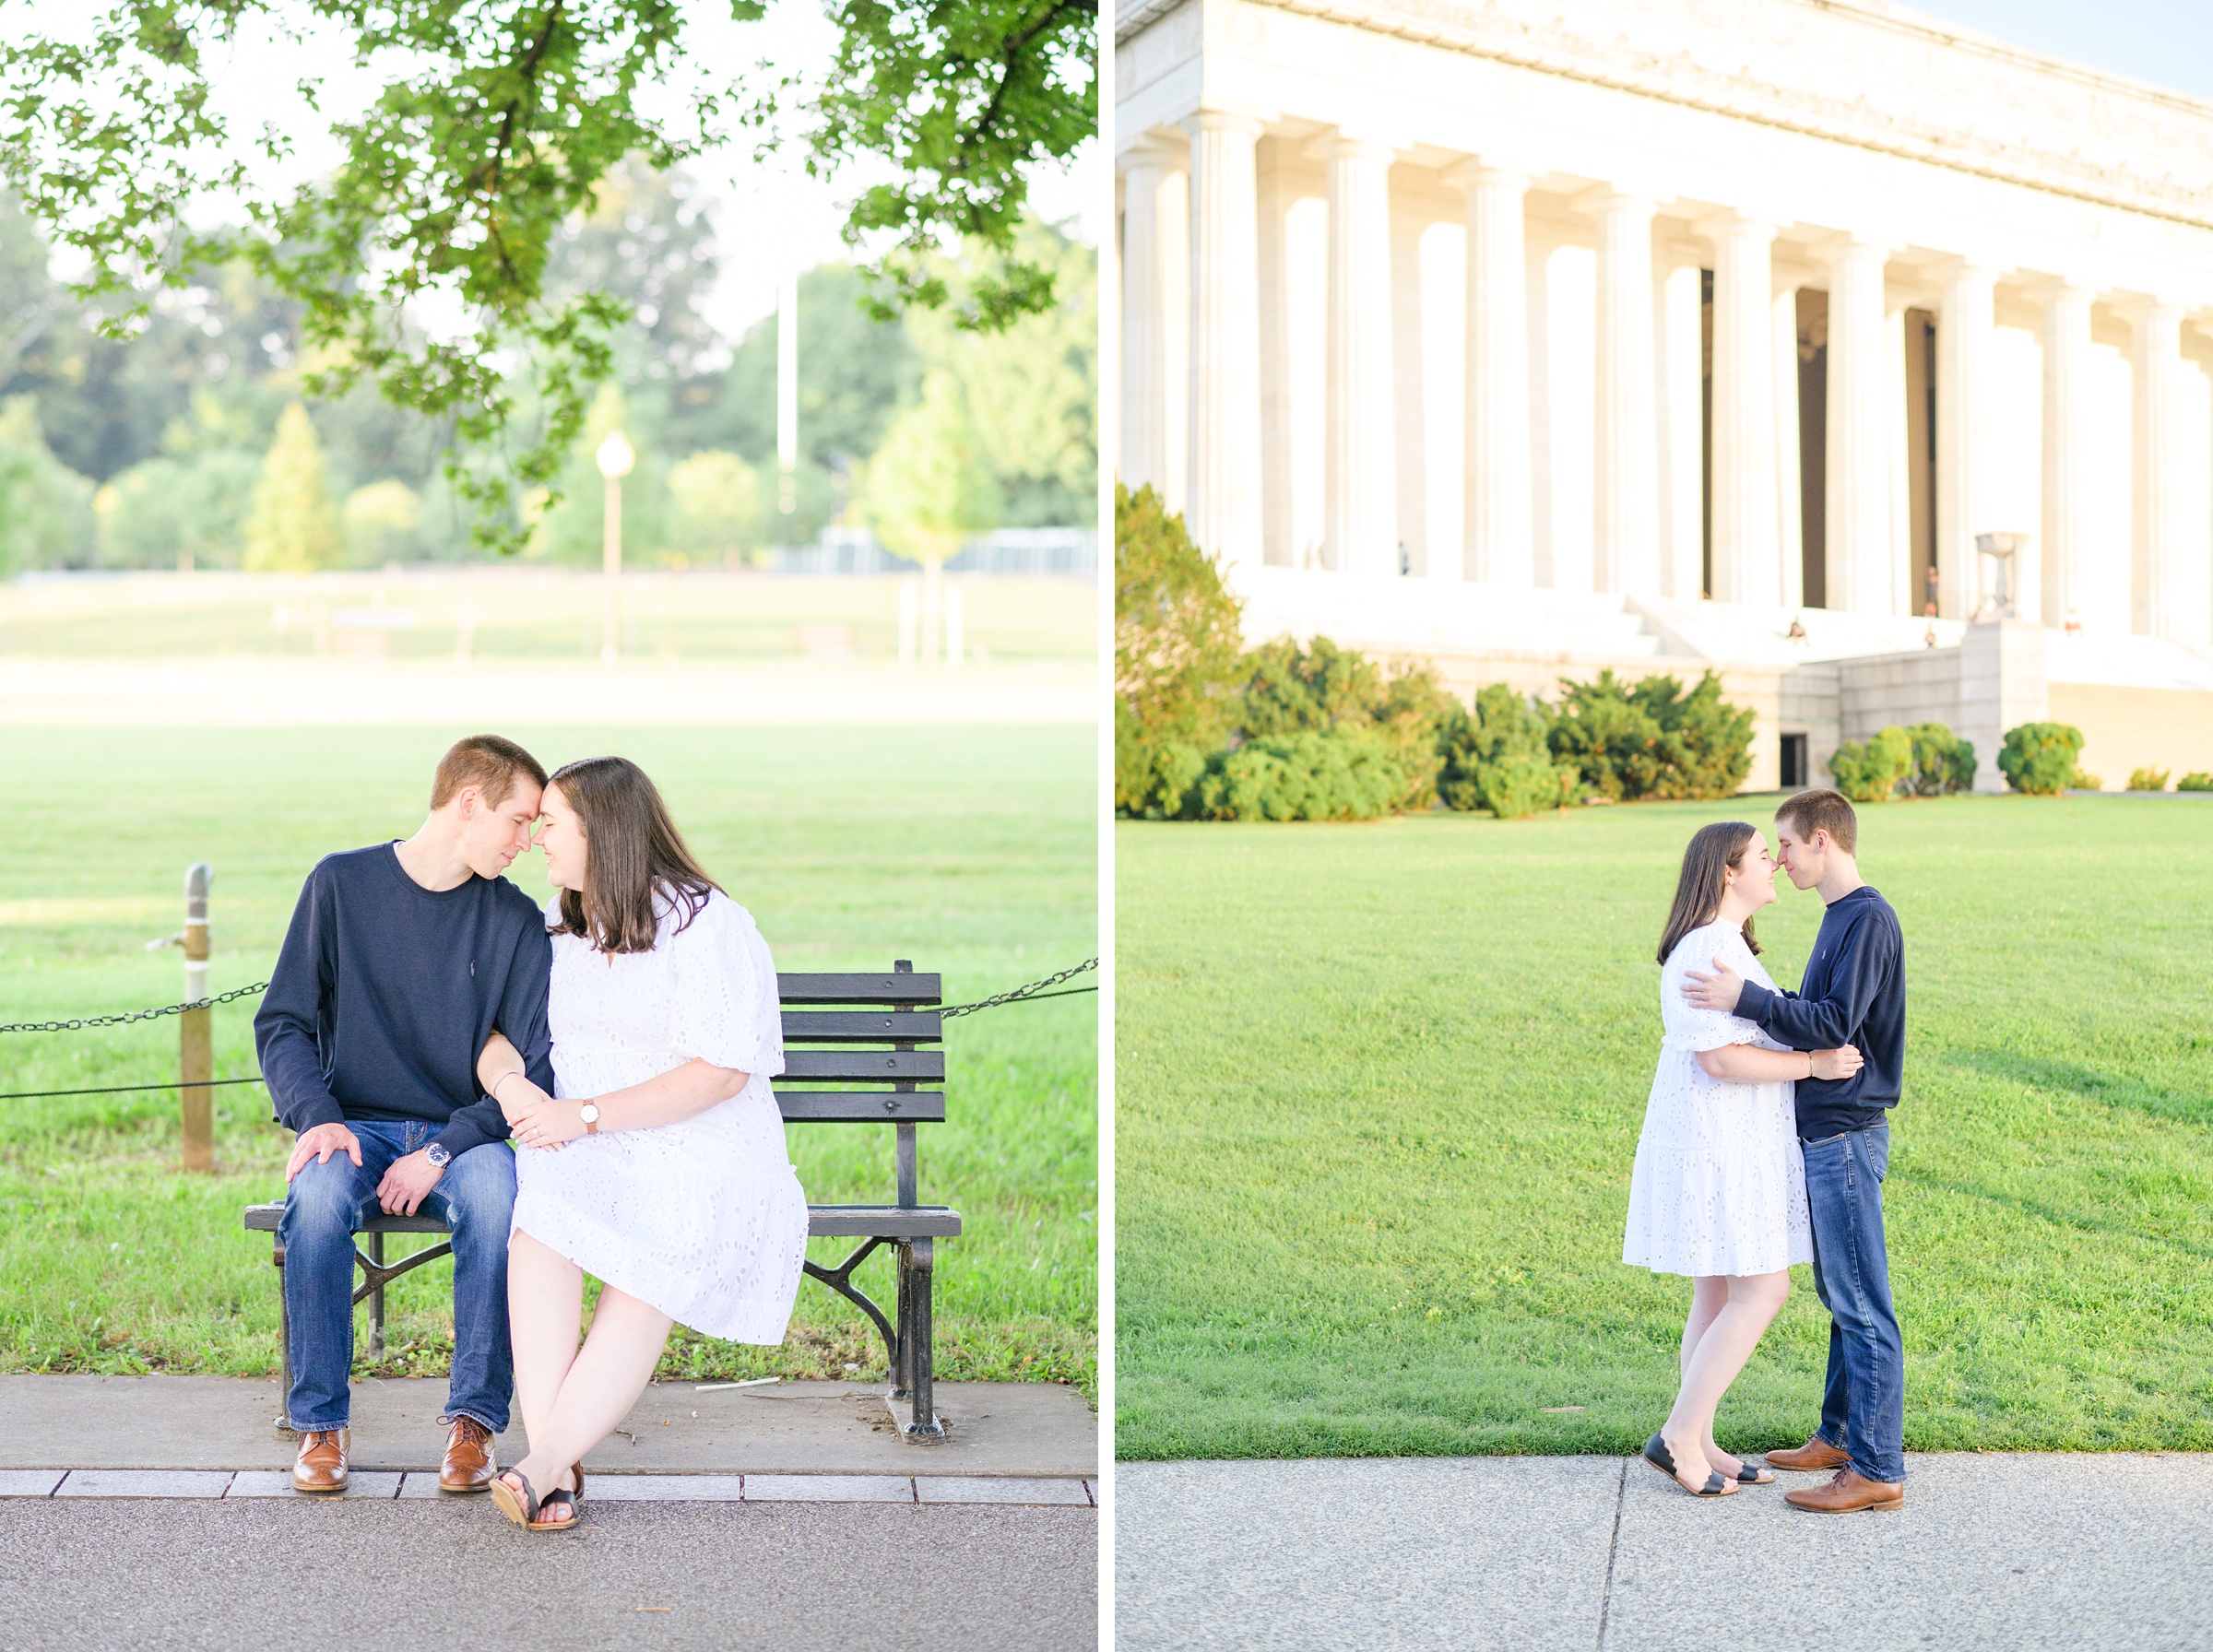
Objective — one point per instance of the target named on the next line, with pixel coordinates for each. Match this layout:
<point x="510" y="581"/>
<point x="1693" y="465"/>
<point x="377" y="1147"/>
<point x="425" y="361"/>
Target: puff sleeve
<point x="1690" y="1029"/>
<point x="723" y="1005"/>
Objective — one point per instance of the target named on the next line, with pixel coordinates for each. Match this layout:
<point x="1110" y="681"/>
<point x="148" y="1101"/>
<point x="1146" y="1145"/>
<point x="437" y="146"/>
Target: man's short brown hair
<point x="1822" y="812"/>
<point x="487" y="762"/>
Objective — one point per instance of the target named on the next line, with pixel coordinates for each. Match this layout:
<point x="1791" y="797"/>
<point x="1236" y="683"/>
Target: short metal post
<point x="195" y="1054"/>
<point x="376" y="1298"/>
<point x="284" y="1335"/>
<point x="903" y="1348"/>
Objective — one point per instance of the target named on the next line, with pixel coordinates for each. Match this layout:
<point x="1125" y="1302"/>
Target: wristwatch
<point x="589" y="1113"/>
<point x="438" y="1155"/>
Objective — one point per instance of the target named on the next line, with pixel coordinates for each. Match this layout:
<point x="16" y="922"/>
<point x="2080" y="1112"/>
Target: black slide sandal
<point x="522" y="1510"/>
<point x="1753" y="1474"/>
<point x="560" y="1497"/>
<point x="1657" y="1453"/>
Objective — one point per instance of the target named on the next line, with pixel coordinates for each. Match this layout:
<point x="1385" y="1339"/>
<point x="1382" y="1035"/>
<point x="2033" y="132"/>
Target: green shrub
<point x="2038" y="758"/>
<point x="1345" y="772"/>
<point x="1873" y="772"/>
<point x="1497" y="757"/>
<point x="2084" y="781"/>
<point x="2197" y="780"/>
<point x="1654" y="740"/>
<point x="1288" y="690"/>
<point x="2148" y="780"/>
<point x="1943" y="763"/>
<point x="1175" y="644"/>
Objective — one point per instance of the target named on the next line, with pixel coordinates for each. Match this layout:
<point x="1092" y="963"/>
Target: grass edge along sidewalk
<point x="1380" y="1086"/>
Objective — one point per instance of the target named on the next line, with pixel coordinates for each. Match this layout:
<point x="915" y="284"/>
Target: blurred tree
<point x="646" y="239"/>
<point x="714" y="501"/>
<point x="46" y="507"/>
<point x="929" y="490"/>
<point x="381" y="520"/>
<point x="189" y="510"/>
<point x="1032" y="389"/>
<point x="293" y="526"/>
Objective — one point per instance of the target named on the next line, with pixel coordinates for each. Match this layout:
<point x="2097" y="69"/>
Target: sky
<point x="767" y="216"/>
<point x="2167" y="42"/>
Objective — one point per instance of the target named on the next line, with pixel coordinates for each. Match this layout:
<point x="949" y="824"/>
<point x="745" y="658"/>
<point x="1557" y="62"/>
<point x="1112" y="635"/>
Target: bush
<point x="2038" y="758"/>
<point x="2084" y="781"/>
<point x="1345" y="772"/>
<point x="1497" y="757"/>
<point x="1873" y="772"/>
<point x="1288" y="690"/>
<point x="1654" y="740"/>
<point x="2197" y="780"/>
<point x="1176" y="646"/>
<point x="2148" y="780"/>
<point x="1943" y="763"/>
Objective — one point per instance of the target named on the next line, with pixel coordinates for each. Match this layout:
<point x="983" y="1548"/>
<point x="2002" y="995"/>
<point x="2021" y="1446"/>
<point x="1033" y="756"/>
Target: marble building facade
<point x="1624" y="327"/>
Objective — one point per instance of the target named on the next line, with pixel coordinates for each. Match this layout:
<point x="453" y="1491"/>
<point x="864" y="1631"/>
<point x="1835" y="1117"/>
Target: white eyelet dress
<point x="1720" y="1183"/>
<point x="703" y="1219"/>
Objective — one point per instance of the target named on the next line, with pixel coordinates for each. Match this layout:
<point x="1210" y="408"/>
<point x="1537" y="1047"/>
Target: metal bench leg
<point x="915" y="1261"/>
<point x="376" y="1298"/>
<point x="903" y="1343"/>
<point x="284" y="1336"/>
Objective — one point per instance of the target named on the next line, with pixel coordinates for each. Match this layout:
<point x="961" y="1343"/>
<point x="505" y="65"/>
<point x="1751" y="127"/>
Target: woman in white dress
<point x="658" y="1164"/>
<point x="1719" y="1189"/>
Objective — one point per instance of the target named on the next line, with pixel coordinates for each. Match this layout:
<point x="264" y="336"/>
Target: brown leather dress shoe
<point x="1848" y="1493"/>
<point x="1816" y="1455"/>
<point x="468" y="1465"/>
<point x="321" y="1465"/>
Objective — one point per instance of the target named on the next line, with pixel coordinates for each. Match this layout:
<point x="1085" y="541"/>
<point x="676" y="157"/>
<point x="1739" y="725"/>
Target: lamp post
<point x="615" y="456"/>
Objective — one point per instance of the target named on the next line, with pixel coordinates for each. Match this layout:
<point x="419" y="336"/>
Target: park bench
<point x="874" y="1038"/>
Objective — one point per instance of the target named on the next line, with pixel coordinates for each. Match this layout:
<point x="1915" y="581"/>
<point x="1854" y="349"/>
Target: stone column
<point x="1964" y="347"/>
<point x="1682" y="419"/>
<point x="2169" y="587"/>
<point x="1155" y="252"/>
<point x="1628" y="530"/>
<point x="2070" y="522"/>
<point x="1360" y="523"/>
<point x="1499" y="548"/>
<point x="1790" y="482"/>
<point x="1224" y="480"/>
<point x="1747" y="556"/>
<point x="1857" y="520"/>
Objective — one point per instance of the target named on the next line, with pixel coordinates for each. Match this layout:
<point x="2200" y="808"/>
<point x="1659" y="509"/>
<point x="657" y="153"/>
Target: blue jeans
<point x="324" y="1209"/>
<point x="1864" y="1407"/>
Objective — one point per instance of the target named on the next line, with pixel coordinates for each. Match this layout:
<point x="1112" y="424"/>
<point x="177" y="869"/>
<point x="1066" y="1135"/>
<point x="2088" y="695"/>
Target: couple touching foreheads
<point x="424" y="1011"/>
<point x="1765" y="1142"/>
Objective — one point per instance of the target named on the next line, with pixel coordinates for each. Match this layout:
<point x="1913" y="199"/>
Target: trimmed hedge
<point x="1873" y="771"/>
<point x="2038" y="759"/>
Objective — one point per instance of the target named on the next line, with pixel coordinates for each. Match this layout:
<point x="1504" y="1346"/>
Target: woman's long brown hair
<point x="1714" y="852"/>
<point x="632" y="851"/>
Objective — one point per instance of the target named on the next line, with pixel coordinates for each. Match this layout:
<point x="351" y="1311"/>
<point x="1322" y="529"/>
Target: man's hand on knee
<point x="407" y="1183"/>
<point x="318" y="1144"/>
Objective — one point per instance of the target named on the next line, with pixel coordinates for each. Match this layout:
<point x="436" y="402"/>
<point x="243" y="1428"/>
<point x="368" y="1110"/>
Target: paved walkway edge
<point x="610" y="1488"/>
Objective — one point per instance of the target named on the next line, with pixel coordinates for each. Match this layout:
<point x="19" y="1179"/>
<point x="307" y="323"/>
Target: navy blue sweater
<point x="1854" y="992"/>
<point x="386" y="992"/>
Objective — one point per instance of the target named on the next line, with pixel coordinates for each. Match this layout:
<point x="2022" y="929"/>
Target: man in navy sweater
<point x="402" y="961"/>
<point x="1854" y="992"/>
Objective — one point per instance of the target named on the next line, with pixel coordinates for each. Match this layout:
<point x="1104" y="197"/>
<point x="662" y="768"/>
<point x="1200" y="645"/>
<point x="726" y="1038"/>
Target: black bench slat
<point x="263" y="1218"/>
<point x="859" y="989"/>
<point x="861" y="1106"/>
<point x="862" y="1222"/>
<point x="862" y="1026"/>
<point x="882" y="1066"/>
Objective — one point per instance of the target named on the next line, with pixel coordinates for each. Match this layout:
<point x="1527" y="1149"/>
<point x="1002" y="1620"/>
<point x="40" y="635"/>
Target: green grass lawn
<point x="970" y="851"/>
<point x="1379" y="1088"/>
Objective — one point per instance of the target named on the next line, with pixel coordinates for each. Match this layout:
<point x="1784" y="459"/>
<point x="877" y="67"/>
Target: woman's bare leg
<point x="1729" y="1339"/>
<point x="545" y="1311"/>
<point x="1709" y="1295"/>
<point x="603" y="1383"/>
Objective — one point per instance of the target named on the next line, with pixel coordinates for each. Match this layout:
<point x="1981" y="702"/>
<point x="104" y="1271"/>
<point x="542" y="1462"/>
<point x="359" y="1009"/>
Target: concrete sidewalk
<point x="828" y="1433"/>
<point x="1525" y="1555"/>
